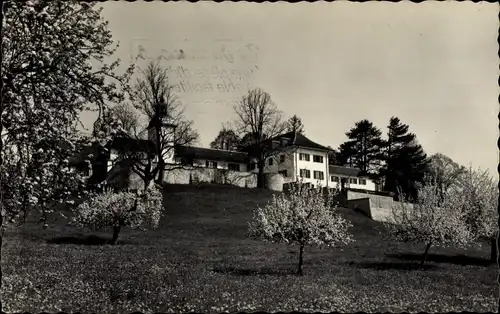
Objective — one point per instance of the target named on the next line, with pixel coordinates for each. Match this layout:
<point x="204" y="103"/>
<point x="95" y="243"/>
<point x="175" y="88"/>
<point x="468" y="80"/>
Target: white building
<point x="299" y="158"/>
<point x="350" y="178"/>
<point x="294" y="156"/>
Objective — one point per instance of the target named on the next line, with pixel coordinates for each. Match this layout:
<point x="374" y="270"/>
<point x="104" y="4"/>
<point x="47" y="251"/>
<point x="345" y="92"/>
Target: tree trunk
<point x="260" y="176"/>
<point x="301" y="259"/>
<point x="426" y="253"/>
<point x="147" y="182"/>
<point x="116" y="232"/>
<point x="161" y="171"/>
<point x="159" y="150"/>
<point x="494" y="250"/>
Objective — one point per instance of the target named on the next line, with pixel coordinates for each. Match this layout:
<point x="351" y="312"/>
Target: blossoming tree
<point x="480" y="192"/>
<point x="52" y="68"/>
<point x="435" y="218"/>
<point x="304" y="215"/>
<point x="121" y="209"/>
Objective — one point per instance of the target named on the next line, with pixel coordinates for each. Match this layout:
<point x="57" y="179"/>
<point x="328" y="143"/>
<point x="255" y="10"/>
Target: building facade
<point x="293" y="156"/>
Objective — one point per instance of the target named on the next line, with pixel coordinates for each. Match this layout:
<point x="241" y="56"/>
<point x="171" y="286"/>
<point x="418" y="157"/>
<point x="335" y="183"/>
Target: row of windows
<point x="306" y="157"/>
<point x="319" y="175"/>
<point x="271" y="160"/>
<point x="306" y="173"/>
<point x="302" y="156"/>
<point x="351" y="180"/>
<point x="230" y="166"/>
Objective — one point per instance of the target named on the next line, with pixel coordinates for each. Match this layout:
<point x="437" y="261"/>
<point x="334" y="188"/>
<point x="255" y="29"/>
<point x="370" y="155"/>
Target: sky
<point x="434" y="65"/>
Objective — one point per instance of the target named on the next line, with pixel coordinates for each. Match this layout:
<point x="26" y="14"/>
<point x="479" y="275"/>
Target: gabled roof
<point x="298" y="139"/>
<point x="210" y="154"/>
<point x="345" y="171"/>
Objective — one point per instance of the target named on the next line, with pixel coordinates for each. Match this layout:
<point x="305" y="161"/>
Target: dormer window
<point x="284" y="141"/>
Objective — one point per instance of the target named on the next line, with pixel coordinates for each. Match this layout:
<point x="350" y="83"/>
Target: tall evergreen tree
<point x="332" y="156"/>
<point x="405" y="160"/>
<point x="345" y="154"/>
<point x="363" y="149"/>
<point x="295" y="124"/>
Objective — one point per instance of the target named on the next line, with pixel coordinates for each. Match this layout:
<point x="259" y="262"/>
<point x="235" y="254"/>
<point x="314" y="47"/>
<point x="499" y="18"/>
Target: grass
<point x="200" y="259"/>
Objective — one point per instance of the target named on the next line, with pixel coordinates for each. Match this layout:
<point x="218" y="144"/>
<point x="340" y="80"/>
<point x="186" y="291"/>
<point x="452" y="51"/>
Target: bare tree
<point x="128" y="118"/>
<point x="259" y="116"/>
<point x="156" y="99"/>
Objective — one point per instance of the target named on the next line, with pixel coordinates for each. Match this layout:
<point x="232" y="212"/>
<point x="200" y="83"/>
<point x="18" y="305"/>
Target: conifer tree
<point x="405" y="160"/>
<point x="295" y="124"/>
<point x="363" y="149"/>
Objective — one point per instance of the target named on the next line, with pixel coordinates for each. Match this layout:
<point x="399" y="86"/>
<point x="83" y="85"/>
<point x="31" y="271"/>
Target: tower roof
<point x="163" y="123"/>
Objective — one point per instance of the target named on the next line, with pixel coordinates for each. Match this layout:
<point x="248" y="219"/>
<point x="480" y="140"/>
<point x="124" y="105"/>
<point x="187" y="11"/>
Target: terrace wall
<point x="209" y="175"/>
<point x="362" y="204"/>
<point x="378" y="207"/>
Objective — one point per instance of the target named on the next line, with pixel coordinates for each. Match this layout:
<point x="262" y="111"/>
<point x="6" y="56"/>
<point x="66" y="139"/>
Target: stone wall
<point x="361" y="204"/>
<point x="376" y="200"/>
<point x="380" y="208"/>
<point x="208" y="175"/>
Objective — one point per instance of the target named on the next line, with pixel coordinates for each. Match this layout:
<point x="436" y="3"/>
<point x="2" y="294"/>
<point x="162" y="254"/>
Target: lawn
<point x="200" y="259"/>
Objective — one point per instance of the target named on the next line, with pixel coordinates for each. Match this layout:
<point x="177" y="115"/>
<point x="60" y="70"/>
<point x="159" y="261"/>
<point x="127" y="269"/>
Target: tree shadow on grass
<point x="236" y="271"/>
<point x="89" y="240"/>
<point x="462" y="260"/>
<point x="392" y="266"/>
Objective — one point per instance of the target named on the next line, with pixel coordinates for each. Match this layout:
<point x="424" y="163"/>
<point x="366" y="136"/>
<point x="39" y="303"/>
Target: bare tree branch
<point x="259" y="116"/>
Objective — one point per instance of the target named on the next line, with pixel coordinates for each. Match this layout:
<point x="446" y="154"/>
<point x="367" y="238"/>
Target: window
<point x="187" y="161"/>
<point x="353" y="180"/>
<point x="319" y="175"/>
<point x="305" y="173"/>
<point x="283" y="173"/>
<point x="303" y="156"/>
<point x="318" y="158"/>
<point x="252" y="166"/>
<point x="284" y="141"/>
<point x="362" y="181"/>
<point x="334" y="179"/>
<point x="211" y="164"/>
<point x="233" y="167"/>
<point x="270" y="161"/>
<point x="282" y="159"/>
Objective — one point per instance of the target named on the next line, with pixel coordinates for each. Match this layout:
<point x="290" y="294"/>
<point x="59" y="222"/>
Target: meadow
<point x="200" y="259"/>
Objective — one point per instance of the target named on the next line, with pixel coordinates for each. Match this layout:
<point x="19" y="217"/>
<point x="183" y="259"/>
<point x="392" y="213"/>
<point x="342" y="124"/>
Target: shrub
<point x="303" y="215"/>
<point x="136" y="210"/>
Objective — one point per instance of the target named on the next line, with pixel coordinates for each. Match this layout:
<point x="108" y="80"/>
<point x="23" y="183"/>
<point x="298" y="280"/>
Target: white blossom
<point x="435" y="218"/>
<point x="303" y="215"/>
<point x="121" y="209"/>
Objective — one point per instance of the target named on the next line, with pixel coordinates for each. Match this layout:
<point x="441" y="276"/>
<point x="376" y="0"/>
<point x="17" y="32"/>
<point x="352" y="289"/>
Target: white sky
<point x="434" y="65"/>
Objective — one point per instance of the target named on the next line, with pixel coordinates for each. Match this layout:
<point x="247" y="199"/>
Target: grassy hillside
<point x="200" y="259"/>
